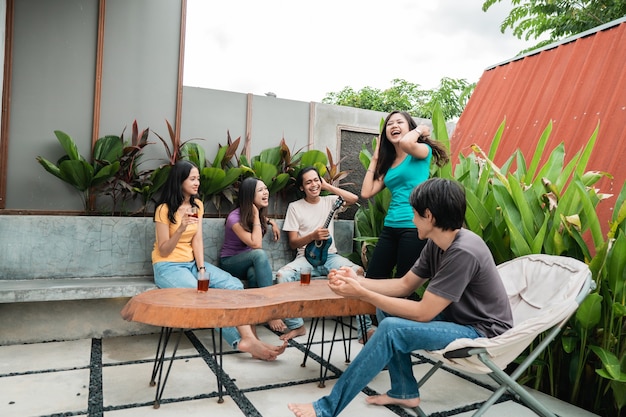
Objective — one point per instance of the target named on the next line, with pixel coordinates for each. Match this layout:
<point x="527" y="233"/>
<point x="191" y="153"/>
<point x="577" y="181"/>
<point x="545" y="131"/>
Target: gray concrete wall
<point x="52" y="88"/>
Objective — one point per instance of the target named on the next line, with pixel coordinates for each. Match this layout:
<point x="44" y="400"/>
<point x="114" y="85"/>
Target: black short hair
<point x="444" y="198"/>
<point x="303" y="171"/>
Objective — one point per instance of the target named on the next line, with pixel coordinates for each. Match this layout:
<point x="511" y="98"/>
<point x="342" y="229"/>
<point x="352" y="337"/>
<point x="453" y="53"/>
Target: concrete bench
<point x="82" y="266"/>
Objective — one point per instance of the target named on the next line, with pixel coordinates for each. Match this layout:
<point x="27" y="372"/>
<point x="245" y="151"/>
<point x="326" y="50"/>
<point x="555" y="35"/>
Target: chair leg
<point x="422" y="381"/>
<point x="508" y="383"/>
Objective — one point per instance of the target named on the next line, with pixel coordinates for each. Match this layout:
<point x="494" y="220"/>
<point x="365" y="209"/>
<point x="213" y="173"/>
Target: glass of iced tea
<point x="203" y="281"/>
<point x="305" y="275"/>
<point x="193" y="212"/>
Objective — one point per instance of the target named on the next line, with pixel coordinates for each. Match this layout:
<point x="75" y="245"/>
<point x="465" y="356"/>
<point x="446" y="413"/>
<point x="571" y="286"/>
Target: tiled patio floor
<point x="110" y="377"/>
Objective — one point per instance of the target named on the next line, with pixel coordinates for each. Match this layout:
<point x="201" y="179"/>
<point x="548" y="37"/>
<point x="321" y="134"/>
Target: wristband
<point x="201" y="267"/>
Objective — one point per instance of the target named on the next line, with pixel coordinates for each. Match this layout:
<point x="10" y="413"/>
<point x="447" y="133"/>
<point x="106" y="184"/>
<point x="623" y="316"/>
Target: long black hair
<point x="172" y="194"/>
<point x="387" y="152"/>
<point x="245" y="201"/>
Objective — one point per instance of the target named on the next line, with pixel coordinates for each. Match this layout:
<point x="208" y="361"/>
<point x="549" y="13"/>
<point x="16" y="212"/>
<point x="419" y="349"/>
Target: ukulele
<point x="316" y="252"/>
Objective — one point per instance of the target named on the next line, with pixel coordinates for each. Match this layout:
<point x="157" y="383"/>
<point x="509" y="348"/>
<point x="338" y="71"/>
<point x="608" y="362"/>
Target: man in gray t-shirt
<point x="466" y="275"/>
<point x="465" y="298"/>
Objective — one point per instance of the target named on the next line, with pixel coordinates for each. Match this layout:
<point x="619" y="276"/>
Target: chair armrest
<point x="465" y="352"/>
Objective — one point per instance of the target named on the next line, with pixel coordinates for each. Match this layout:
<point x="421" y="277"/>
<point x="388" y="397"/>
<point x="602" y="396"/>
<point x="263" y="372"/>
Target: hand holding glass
<point x="192" y="212"/>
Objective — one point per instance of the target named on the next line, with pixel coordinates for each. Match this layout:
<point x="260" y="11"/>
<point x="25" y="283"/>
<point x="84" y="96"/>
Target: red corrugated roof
<point x="577" y="84"/>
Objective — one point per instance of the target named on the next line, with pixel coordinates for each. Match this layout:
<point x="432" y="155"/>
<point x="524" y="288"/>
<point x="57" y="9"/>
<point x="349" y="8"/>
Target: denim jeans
<point x="291" y="273"/>
<point x="184" y="275"/>
<point x="254" y="265"/>
<point x="391" y="346"/>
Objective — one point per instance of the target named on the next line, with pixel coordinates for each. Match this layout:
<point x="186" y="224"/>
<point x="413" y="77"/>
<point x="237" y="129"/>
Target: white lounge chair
<point x="544" y="292"/>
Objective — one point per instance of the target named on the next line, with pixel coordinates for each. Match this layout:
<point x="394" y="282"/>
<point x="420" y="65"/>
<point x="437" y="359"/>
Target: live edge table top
<point x="188" y="309"/>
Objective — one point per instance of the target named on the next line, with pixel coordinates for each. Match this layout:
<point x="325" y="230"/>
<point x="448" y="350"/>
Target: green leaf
<point x="266" y="172"/>
<point x="108" y="149"/>
<point x="610" y="365"/>
<point x="569" y="343"/>
<point x="68" y="145"/>
<point x="221" y="152"/>
<point x="77" y="173"/>
<point x="534" y="163"/>
<point x="616" y="266"/>
<point x="619" y="309"/>
<point x="212" y="180"/>
<point x="270" y="156"/>
<point x="105" y="173"/>
<point x="279" y="183"/>
<point x="581" y="166"/>
<point x="313" y="157"/>
<point x="194" y="153"/>
<point x="495" y="142"/>
<point x="589" y="312"/>
<point x="50" y="167"/>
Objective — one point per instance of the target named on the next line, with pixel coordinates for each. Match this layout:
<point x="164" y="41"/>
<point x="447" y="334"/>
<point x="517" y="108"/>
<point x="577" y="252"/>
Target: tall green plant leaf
<point x="534" y="163"/>
<point x="68" y="144"/>
<point x="495" y="142"/>
<point x="581" y="166"/>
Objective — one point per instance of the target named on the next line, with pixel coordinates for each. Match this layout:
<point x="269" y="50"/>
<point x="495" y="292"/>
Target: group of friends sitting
<point x="422" y="241"/>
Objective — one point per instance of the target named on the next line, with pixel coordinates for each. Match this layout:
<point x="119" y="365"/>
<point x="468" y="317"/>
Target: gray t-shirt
<point x="467" y="275"/>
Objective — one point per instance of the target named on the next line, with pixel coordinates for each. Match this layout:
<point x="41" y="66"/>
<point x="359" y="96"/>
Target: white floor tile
<point x="44" y="393"/>
<point x="43" y="356"/>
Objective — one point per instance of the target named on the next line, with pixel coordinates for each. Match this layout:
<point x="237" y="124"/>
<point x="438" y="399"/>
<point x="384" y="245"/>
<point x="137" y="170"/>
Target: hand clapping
<point x="343" y="281"/>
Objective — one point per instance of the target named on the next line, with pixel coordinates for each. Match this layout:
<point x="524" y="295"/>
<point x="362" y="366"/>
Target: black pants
<point x="397" y="248"/>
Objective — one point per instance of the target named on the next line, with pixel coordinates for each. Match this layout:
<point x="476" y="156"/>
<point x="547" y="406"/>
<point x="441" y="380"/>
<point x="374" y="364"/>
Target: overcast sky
<point x="304" y="50"/>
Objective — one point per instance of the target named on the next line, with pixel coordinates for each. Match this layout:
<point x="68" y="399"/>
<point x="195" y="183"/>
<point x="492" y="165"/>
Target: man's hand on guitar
<point x="321" y="234"/>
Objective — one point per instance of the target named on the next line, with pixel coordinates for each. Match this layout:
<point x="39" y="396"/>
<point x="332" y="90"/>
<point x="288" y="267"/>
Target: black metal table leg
<point x="347" y="347"/>
<point x="159" y="361"/>
<point x="220" y="370"/>
<point x="309" y="340"/>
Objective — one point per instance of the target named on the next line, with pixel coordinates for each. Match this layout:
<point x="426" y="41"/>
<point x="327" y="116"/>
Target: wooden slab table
<point x="186" y="308"/>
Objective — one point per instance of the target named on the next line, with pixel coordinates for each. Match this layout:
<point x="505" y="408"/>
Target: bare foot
<point x="300" y="331"/>
<point x="384" y="399"/>
<point x="370" y="333"/>
<point x="302" y="410"/>
<point x="259" y="349"/>
<point x="277" y="325"/>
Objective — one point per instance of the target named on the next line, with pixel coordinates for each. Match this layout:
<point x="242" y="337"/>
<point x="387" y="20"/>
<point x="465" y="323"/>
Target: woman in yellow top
<point x="178" y="253"/>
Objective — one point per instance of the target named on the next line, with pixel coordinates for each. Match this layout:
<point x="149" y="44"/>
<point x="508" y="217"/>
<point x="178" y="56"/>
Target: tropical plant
<point x="173" y="153"/>
<point x="122" y="187"/>
<point x="551" y="208"/>
<point x="275" y="166"/>
<point x="148" y="183"/>
<point x="81" y="174"/>
<point x="520" y="208"/>
<point x="217" y="177"/>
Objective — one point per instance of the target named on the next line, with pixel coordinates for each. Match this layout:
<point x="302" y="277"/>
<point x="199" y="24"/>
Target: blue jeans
<point x="184" y="275"/>
<point x="254" y="265"/>
<point x="391" y="346"/>
<point x="291" y="273"/>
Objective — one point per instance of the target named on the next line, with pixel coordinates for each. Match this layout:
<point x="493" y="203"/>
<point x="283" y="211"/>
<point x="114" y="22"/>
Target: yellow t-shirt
<point x="183" y="251"/>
